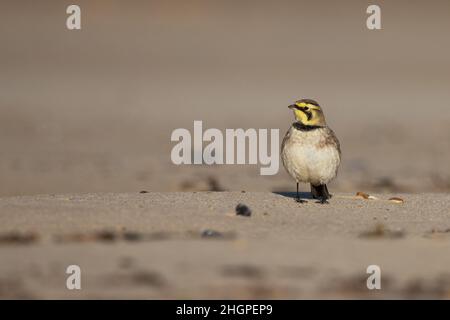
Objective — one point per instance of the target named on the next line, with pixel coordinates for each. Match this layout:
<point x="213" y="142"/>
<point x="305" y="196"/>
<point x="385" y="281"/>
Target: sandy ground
<point x="193" y="245"/>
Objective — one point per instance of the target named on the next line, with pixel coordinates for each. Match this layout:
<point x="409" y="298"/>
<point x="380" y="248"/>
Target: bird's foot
<point x="323" y="201"/>
<point x="300" y="200"/>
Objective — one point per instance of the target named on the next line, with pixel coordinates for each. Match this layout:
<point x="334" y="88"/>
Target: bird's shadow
<point x="293" y="195"/>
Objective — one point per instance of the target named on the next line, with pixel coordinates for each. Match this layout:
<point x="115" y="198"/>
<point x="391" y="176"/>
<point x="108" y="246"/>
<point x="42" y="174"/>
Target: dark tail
<point x="320" y="192"/>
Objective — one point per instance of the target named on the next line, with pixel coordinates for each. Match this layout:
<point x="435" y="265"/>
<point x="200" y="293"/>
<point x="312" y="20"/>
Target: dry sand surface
<point x="193" y="245"/>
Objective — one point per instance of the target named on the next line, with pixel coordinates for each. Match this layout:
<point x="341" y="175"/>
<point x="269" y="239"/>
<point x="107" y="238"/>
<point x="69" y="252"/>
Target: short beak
<point x="292" y="106"/>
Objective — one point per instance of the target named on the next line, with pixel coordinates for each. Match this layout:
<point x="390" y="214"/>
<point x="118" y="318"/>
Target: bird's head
<point x="308" y="113"/>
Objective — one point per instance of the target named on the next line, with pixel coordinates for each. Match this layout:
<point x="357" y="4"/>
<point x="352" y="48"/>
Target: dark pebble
<point x="243" y="210"/>
<point x="143" y="191"/>
<point x="211" y="234"/>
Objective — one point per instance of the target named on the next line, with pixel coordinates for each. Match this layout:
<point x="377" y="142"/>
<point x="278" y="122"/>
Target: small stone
<point x="243" y="210"/>
<point x="208" y="233"/>
<point x="143" y="191"/>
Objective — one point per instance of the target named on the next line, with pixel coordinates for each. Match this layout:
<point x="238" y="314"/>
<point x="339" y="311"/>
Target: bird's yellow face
<point x="308" y="113"/>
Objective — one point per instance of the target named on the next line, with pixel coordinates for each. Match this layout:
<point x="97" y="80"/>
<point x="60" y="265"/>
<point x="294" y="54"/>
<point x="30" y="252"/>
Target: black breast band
<point x="300" y="126"/>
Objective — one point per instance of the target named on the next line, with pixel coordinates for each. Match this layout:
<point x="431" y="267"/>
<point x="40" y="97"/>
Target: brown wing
<point x="285" y="139"/>
<point x="333" y="140"/>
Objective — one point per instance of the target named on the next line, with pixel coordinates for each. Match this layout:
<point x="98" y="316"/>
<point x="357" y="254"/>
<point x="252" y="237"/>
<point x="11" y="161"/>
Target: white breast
<point x="307" y="157"/>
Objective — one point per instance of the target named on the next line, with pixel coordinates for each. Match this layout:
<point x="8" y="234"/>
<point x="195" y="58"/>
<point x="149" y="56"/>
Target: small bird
<point x="310" y="151"/>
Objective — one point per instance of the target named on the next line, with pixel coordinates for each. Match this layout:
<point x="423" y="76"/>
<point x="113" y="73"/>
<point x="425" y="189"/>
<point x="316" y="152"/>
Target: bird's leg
<point x="298" y="197"/>
<point x="323" y="200"/>
<point x="329" y="194"/>
<point x="315" y="192"/>
<point x="324" y="194"/>
<point x="320" y="192"/>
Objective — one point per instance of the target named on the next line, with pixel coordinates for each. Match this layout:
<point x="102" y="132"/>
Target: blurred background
<point x="93" y="110"/>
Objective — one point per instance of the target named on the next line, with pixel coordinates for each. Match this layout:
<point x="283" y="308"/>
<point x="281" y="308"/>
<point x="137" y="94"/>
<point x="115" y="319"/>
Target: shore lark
<point x="310" y="150"/>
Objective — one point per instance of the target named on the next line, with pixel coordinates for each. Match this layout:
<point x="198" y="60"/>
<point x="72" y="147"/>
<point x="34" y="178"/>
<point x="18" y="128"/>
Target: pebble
<point x="208" y="233"/>
<point x="243" y="210"/>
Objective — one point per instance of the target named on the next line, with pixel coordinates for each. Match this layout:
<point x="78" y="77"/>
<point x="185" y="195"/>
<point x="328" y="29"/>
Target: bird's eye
<point x="306" y="108"/>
